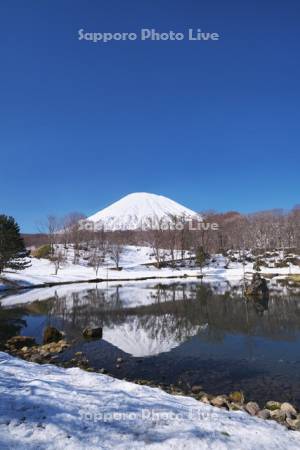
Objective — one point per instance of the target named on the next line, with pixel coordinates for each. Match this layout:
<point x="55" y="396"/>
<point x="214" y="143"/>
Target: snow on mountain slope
<point x="139" y="209"/>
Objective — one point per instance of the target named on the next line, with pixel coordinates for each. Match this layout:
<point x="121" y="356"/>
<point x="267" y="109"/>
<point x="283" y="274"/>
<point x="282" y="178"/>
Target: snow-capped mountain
<point x="140" y="210"/>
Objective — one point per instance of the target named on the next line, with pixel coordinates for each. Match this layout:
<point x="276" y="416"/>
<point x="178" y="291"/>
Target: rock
<point x="59" y="346"/>
<point x="271" y="405"/>
<point x="83" y="363"/>
<point x="264" y="414"/>
<point x="200" y="395"/>
<point x="219" y="401"/>
<point x="258" y="288"/>
<point x="44" y="353"/>
<point x="18" y="342"/>
<point x="278" y="415"/>
<point x="237" y="397"/>
<point x="252" y="408"/>
<point x="92" y="333"/>
<point x="288" y="409"/>
<point x="142" y="382"/>
<point x="51" y="334"/>
<point x="196" y="389"/>
<point x="35" y="359"/>
<point x="205" y="399"/>
<point x="293" y="424"/>
<point x="175" y="392"/>
<point x="236" y="407"/>
<point x="53" y="347"/>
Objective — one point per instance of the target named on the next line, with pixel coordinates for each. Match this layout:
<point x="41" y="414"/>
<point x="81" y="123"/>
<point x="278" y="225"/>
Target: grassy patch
<point x="294" y="278"/>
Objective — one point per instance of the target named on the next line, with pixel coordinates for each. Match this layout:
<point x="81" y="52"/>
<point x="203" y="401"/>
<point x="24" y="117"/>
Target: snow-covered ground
<point x="46" y="407"/>
<point x="132" y="261"/>
<point x="133" y="266"/>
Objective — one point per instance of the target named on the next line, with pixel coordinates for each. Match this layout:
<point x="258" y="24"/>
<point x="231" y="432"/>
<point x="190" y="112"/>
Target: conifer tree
<point x="201" y="257"/>
<point x="13" y="253"/>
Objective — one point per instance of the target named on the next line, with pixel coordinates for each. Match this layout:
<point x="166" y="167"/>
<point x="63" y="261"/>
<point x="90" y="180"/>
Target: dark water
<point x="177" y="333"/>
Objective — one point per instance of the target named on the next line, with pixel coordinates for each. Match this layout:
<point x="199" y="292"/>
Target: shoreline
<point x="283" y="413"/>
<point x="96" y="280"/>
<point x="135" y="267"/>
<point x="95" y="410"/>
<point x="48" y="284"/>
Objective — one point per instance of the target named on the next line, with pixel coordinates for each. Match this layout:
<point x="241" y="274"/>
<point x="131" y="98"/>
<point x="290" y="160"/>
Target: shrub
<point x="281" y="263"/>
<point x="293" y="260"/>
<point x="257" y="264"/>
<point x="42" y="252"/>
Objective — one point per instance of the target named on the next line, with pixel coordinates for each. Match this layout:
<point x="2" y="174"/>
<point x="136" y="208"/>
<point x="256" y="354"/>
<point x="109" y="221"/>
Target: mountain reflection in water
<point x="189" y="331"/>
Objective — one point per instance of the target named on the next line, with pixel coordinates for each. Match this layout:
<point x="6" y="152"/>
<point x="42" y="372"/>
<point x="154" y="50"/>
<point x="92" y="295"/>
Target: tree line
<point x="258" y="232"/>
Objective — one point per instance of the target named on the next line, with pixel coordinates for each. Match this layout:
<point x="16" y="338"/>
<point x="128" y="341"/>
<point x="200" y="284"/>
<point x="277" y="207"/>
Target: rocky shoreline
<point x="54" y="344"/>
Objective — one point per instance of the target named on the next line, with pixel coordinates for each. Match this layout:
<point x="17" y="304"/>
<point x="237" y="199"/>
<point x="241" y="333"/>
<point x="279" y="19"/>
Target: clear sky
<point x="213" y="125"/>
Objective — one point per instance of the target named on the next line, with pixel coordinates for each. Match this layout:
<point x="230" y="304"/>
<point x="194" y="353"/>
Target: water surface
<point x="182" y="333"/>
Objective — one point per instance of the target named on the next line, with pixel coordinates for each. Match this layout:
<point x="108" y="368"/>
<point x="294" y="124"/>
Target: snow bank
<point x="133" y="261"/>
<point x="46" y="407"/>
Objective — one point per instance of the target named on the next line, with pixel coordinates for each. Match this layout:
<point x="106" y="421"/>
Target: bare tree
<point x="58" y="259"/>
<point x="76" y="234"/>
<point x="157" y="241"/>
<point x="115" y="246"/>
<point x="53" y="227"/>
<point x="99" y="251"/>
<point x="116" y="250"/>
<point x="172" y="238"/>
<point x="70" y="221"/>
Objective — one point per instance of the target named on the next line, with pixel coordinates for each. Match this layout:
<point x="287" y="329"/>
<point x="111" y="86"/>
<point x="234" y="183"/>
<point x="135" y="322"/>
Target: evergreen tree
<point x="256" y="265"/>
<point x="201" y="257"/>
<point x="13" y="252"/>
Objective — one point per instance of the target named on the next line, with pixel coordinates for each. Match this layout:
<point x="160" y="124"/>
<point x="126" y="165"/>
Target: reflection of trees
<point x="11" y="323"/>
<point x="80" y="309"/>
<point x="277" y="318"/>
<point x="178" y="311"/>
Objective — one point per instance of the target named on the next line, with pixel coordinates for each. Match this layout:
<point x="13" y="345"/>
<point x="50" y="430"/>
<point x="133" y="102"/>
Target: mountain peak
<point x="136" y="208"/>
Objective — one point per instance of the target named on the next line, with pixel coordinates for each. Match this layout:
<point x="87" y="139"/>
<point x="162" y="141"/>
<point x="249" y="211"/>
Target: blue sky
<point x="213" y="125"/>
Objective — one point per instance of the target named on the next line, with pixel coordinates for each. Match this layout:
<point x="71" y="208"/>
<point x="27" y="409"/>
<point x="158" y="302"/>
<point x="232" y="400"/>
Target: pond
<point x="181" y="333"/>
